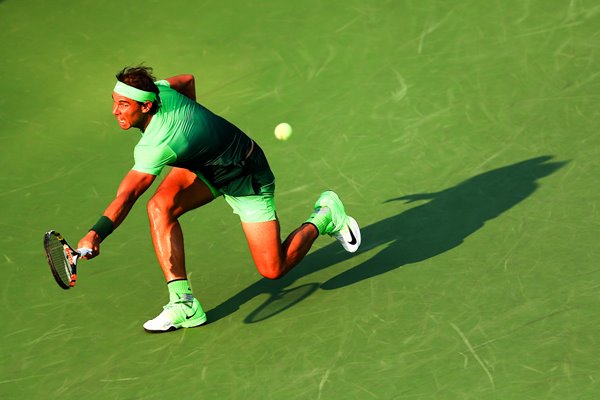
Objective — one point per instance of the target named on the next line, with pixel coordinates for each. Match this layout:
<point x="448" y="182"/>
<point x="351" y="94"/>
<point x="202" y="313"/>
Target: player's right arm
<point x="184" y="84"/>
<point x="131" y="188"/>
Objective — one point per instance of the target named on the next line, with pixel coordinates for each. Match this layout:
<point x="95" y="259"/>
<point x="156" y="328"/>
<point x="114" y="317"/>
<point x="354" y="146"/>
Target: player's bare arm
<point x="184" y="84"/>
<point x="131" y="188"/>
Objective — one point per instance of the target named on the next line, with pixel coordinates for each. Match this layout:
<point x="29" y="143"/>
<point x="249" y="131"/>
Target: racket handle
<point x="84" y="252"/>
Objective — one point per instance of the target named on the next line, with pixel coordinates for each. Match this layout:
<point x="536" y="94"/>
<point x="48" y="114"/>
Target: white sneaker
<point x="349" y="235"/>
<point x="183" y="313"/>
<point x="341" y="226"/>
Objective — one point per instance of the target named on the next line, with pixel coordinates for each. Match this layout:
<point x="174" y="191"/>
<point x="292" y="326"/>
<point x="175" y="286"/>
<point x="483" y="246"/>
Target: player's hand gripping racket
<point x="62" y="259"/>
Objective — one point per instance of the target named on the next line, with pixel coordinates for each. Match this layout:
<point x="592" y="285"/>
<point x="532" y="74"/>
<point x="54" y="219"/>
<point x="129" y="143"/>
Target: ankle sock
<point x="320" y="218"/>
<point x="179" y="289"/>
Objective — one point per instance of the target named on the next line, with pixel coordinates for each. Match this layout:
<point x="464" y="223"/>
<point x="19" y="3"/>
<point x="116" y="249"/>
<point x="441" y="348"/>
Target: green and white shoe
<point x="185" y="312"/>
<point x="330" y="218"/>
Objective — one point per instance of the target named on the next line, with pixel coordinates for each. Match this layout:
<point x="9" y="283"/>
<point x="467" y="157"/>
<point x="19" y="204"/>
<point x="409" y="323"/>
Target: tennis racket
<point x="62" y="259"/>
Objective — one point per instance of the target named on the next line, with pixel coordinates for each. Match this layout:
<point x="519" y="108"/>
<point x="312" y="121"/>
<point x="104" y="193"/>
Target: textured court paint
<point x="461" y="135"/>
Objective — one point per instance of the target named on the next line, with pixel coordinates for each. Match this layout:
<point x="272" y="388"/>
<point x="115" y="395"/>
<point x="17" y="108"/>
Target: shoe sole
<point x="186" y="324"/>
<point x="351" y="243"/>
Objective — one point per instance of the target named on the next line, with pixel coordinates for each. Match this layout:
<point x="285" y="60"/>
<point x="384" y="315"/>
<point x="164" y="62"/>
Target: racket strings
<point x="59" y="260"/>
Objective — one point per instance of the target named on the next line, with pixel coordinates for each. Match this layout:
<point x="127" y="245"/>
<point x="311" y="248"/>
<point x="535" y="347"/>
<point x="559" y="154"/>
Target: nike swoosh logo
<point x="352" y="238"/>
<point x="190" y="316"/>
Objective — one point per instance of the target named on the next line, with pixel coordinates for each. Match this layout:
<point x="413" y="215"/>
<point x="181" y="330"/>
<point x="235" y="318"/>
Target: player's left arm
<point x="184" y="84"/>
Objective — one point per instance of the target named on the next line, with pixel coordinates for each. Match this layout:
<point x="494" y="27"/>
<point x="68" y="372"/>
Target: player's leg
<point x="272" y="258"/>
<point x="330" y="218"/>
<point x="179" y="192"/>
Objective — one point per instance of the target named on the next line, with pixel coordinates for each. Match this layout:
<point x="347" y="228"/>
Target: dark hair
<point x="141" y="77"/>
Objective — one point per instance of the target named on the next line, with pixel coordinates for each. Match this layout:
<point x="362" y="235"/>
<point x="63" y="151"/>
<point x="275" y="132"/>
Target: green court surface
<point x="463" y="136"/>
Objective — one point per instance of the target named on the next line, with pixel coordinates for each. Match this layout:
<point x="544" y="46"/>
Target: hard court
<point x="462" y="135"/>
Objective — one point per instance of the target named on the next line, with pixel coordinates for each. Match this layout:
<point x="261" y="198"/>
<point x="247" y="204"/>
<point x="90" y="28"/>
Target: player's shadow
<point x="441" y="222"/>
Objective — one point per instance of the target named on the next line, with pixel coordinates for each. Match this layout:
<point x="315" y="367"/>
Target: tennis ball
<point x="283" y="131"/>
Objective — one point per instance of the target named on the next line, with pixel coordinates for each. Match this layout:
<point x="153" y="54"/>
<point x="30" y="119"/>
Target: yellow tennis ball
<point x="283" y="131"/>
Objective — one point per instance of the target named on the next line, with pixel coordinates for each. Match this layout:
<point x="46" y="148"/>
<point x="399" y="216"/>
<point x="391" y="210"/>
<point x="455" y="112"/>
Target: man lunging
<point x="210" y="157"/>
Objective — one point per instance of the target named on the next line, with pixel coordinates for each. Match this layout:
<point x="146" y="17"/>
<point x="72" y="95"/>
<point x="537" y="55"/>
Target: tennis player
<point x="210" y="158"/>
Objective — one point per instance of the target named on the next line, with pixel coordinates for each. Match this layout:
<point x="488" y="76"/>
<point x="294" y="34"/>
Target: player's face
<point x="129" y="113"/>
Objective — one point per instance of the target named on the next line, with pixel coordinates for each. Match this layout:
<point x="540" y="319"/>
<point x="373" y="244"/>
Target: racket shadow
<point x="440" y="224"/>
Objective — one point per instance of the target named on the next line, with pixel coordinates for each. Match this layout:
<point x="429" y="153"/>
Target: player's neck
<point x="145" y="123"/>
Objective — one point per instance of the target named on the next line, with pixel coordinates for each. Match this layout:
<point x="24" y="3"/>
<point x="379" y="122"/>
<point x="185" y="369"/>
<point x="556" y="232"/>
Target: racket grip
<point x="84" y="252"/>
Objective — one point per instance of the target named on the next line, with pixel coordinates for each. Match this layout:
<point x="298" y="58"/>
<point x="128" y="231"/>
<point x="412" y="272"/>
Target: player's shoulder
<point x="164" y="87"/>
<point x="168" y="95"/>
<point x="162" y="82"/>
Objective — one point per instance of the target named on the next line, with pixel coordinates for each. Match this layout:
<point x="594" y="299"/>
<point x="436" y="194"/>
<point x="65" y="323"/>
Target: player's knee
<point x="272" y="275"/>
<point x="270" y="272"/>
<point x="159" y="206"/>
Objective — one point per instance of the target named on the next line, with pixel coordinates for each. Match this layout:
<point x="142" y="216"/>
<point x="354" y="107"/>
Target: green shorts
<point x="256" y="208"/>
